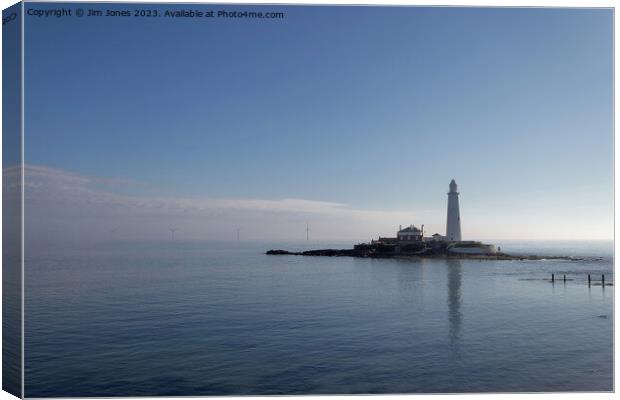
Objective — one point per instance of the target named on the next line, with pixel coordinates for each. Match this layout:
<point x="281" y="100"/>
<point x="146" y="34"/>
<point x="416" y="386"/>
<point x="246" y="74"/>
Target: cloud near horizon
<point x="64" y="204"/>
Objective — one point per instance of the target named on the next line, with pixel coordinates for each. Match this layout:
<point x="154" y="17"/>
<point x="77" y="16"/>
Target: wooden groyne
<point x="591" y="282"/>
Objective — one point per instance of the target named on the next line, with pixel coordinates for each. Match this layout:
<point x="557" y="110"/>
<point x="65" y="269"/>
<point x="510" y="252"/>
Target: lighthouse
<point x="453" y="225"/>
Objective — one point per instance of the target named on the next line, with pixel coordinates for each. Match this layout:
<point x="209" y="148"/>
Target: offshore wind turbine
<point x="172" y="231"/>
<point x="307" y="232"/>
<point x="238" y="230"/>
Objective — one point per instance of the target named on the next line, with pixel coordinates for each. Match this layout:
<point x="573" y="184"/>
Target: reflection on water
<point x="183" y="320"/>
<point x="454" y="305"/>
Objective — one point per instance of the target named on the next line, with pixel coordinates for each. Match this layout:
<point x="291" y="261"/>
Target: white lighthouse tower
<point x="453" y="225"/>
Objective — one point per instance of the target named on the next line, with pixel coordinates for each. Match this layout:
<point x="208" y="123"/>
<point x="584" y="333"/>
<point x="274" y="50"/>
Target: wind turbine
<point x="172" y="230"/>
<point x="238" y="230"/>
<point x="112" y="233"/>
<point x="307" y="232"/>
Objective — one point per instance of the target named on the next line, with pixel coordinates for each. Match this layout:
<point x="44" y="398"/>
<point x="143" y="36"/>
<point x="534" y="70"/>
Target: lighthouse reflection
<point x="454" y="304"/>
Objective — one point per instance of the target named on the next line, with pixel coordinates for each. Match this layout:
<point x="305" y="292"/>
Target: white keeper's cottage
<point x="410" y="234"/>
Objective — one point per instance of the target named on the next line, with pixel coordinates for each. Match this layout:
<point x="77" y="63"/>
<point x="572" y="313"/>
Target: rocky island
<point x="369" y="251"/>
<point x="411" y="243"/>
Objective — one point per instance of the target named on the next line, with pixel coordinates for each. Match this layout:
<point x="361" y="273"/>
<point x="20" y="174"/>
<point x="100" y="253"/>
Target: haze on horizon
<point x="66" y="206"/>
<point x="353" y="119"/>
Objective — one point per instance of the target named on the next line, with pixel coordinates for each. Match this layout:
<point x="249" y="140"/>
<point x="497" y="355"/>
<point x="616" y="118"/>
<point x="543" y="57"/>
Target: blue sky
<point x="374" y="108"/>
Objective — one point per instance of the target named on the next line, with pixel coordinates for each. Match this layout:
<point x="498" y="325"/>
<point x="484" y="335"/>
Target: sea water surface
<point x="179" y="318"/>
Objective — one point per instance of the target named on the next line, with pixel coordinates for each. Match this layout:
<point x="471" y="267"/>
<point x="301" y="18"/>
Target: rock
<point x="280" y="252"/>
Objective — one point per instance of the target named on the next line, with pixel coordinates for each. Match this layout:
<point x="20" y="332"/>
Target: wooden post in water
<point x="603" y="280"/>
<point x="552" y="278"/>
<point x="564" y="278"/>
<point x="589" y="280"/>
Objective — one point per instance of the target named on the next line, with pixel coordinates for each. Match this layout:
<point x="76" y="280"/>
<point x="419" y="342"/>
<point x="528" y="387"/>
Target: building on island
<point x="435" y="238"/>
<point x="471" y="247"/>
<point x="453" y="222"/>
<point x="410" y="234"/>
<point x="411" y="240"/>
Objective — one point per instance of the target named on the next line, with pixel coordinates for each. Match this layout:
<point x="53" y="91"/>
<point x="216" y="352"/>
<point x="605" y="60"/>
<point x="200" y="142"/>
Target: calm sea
<point x="181" y="318"/>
